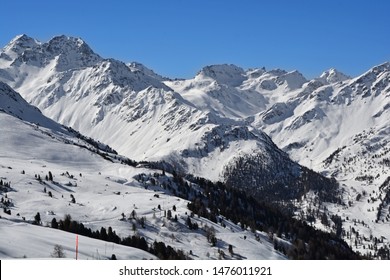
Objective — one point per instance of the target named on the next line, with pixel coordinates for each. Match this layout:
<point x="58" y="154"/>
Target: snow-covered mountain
<point x="341" y="129"/>
<point x="133" y="110"/>
<point x="334" y="124"/>
<point x="52" y="170"/>
<point x="56" y="183"/>
<point x="213" y="126"/>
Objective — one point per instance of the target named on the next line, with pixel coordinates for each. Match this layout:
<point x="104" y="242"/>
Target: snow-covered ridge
<point x="139" y="67"/>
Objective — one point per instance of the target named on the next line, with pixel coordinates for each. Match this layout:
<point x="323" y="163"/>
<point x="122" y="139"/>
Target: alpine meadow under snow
<point x="233" y="163"/>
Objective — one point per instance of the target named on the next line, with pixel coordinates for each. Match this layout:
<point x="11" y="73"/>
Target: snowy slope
<point x="24" y="240"/>
<point x="103" y="189"/>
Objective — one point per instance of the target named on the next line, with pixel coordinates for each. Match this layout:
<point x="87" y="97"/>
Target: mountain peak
<point x="228" y="74"/>
<point x="70" y="53"/>
<point x="67" y="44"/>
<point x="22" y="38"/>
<point x="21" y="43"/>
<point x="333" y="76"/>
<point x="255" y="72"/>
<point x="63" y="39"/>
<point x="292" y="80"/>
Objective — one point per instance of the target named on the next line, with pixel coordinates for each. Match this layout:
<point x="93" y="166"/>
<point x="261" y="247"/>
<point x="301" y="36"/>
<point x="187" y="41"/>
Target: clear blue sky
<point x="176" y="38"/>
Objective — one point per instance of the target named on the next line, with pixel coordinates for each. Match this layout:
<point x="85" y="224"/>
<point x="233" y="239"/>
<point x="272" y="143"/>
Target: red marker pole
<point x="77" y="246"/>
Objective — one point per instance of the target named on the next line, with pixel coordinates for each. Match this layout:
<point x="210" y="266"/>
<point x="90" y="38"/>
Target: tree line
<point x="158" y="249"/>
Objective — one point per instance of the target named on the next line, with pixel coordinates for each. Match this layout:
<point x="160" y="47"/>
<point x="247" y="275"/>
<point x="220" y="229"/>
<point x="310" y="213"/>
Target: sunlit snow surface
<point x="103" y="191"/>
